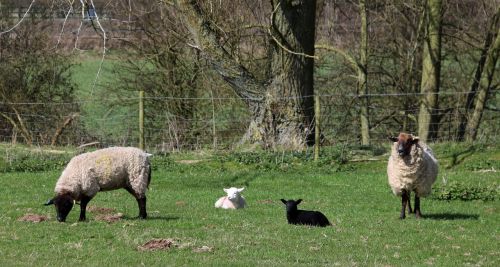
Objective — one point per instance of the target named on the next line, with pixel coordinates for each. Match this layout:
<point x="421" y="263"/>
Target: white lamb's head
<point x="233" y="193"/>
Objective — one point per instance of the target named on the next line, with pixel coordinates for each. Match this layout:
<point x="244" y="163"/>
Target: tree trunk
<point x="282" y="107"/>
<point x="428" y="118"/>
<point x="362" y="76"/>
<point x="471" y="96"/>
<point x="484" y="88"/>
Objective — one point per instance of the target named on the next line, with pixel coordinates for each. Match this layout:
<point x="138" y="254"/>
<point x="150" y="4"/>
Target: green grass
<point x="101" y="116"/>
<point x="366" y="230"/>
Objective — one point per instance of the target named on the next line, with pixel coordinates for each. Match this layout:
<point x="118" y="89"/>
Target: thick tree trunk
<point x="471" y="96"/>
<point x="362" y="77"/>
<point x="484" y="88"/>
<point x="428" y="118"/>
<point x="282" y="108"/>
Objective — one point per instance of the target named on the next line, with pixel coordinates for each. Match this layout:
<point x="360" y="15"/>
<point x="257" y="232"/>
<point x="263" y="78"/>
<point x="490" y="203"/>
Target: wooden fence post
<point x="317" y="134"/>
<point x="141" y="119"/>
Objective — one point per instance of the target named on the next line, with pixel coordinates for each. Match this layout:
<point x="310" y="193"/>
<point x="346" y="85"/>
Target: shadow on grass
<point x="459" y="157"/>
<point x="451" y="216"/>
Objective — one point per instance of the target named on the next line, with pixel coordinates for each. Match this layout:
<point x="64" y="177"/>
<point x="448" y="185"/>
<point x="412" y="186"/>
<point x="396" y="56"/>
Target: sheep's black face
<point x="404" y="143"/>
<point x="291" y="205"/>
<point x="64" y="204"/>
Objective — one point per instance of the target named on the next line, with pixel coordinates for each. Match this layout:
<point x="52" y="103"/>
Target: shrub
<point x="460" y="191"/>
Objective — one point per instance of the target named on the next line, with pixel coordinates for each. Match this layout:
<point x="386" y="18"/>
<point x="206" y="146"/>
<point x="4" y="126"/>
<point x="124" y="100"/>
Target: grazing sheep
<point x="233" y="200"/>
<point x="411" y="167"/>
<point x="296" y="216"/>
<point x="102" y="170"/>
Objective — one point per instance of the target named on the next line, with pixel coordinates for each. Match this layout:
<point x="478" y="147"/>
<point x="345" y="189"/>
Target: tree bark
<point x="362" y="76"/>
<point x="484" y="88"/>
<point x="428" y="118"/>
<point x="282" y="107"/>
<point x="471" y="96"/>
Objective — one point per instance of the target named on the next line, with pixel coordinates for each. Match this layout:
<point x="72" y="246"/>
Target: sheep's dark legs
<point x="83" y="207"/>
<point x="404" y="202"/>
<point x="409" y="203"/>
<point x="418" y="214"/>
<point x="142" y="207"/>
<point x="141" y="202"/>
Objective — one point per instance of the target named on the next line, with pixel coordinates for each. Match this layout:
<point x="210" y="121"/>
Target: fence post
<point x="141" y="119"/>
<point x="316" y="127"/>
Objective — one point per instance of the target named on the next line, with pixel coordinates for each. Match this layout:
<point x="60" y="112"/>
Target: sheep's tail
<point x="149" y="168"/>
<point x="149" y="177"/>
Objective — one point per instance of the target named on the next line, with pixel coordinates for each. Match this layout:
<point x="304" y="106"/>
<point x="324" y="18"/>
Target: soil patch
<point x="101" y="210"/>
<point x="30" y="217"/>
<point x="110" y="218"/>
<point x="158" y="244"/>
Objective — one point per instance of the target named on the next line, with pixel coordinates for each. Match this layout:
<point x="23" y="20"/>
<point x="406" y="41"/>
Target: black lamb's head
<point x="291" y="205"/>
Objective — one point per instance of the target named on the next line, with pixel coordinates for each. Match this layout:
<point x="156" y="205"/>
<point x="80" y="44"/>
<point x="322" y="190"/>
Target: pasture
<point x="355" y="197"/>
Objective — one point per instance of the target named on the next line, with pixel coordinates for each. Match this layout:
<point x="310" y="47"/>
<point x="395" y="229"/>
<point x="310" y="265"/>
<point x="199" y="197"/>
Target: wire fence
<point x="220" y="122"/>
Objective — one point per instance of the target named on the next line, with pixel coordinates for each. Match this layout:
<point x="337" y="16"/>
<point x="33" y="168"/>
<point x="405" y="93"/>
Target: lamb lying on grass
<point x="411" y="167"/>
<point x="296" y="216"/>
<point x="102" y="170"/>
<point x="233" y="200"/>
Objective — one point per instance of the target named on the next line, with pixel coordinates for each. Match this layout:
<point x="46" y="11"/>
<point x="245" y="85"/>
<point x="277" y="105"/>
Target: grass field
<point x="366" y="230"/>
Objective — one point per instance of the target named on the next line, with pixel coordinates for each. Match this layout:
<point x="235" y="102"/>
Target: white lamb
<point x="233" y="200"/>
<point x="411" y="167"/>
<point x="102" y="170"/>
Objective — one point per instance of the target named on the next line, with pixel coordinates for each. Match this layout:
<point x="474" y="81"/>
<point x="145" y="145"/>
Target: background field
<point x="355" y="197"/>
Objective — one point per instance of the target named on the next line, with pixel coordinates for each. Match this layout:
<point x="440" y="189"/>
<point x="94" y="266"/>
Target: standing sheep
<point x="411" y="167"/>
<point x="296" y="216"/>
<point x="102" y="170"/>
<point x="233" y="200"/>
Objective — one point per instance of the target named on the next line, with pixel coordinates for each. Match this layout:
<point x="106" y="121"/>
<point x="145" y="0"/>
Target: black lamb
<point x="307" y="217"/>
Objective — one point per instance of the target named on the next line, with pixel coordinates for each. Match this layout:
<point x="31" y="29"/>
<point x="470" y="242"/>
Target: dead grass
<point x="110" y="218"/>
<point x="158" y="244"/>
<point x="30" y="217"/>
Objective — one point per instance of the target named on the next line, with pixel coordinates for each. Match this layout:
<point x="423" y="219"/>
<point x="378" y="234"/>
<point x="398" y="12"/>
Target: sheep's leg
<point x="409" y="203"/>
<point x="404" y="201"/>
<point x="418" y="214"/>
<point x="141" y="202"/>
<point x="142" y="207"/>
<point x="83" y="207"/>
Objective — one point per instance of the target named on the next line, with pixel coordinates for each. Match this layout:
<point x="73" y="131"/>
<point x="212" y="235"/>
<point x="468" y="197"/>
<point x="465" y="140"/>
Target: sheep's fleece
<point x="105" y="169"/>
<point x="414" y="172"/>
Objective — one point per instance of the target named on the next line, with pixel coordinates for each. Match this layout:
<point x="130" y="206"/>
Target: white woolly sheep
<point x="102" y="170"/>
<point x="233" y="200"/>
<point x="296" y="216"/>
<point x="411" y="167"/>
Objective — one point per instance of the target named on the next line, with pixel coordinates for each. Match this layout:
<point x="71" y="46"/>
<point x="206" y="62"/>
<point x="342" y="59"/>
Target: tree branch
<point x="206" y="40"/>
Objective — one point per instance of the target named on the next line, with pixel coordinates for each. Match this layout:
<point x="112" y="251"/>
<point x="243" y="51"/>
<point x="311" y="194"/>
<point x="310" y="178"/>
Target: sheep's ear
<point x="49" y="202"/>
<point x="284" y="201"/>
<point x="241" y="189"/>
<point x="393" y="139"/>
<point x="298" y="201"/>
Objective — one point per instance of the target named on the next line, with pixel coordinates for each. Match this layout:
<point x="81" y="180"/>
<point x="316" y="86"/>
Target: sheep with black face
<point x="411" y="167"/>
<point x="102" y="170"/>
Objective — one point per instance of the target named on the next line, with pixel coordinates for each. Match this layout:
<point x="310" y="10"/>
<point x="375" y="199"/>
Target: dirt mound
<point x="101" y="210"/>
<point x="30" y="217"/>
<point x="110" y="218"/>
<point x="158" y="244"/>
